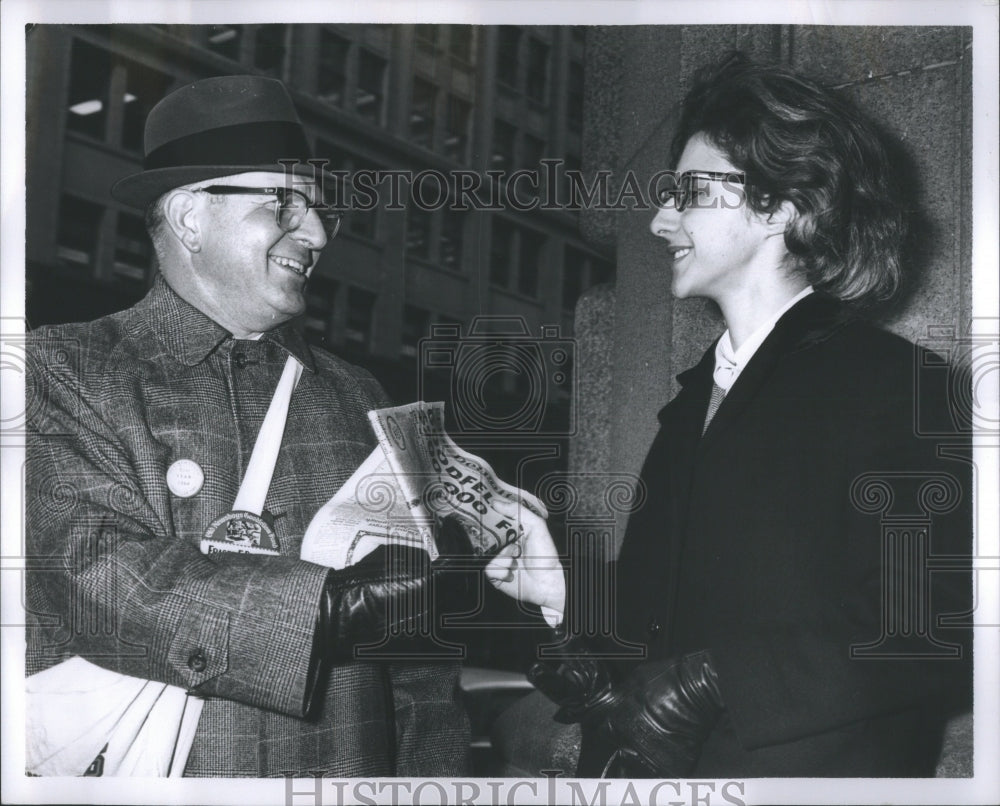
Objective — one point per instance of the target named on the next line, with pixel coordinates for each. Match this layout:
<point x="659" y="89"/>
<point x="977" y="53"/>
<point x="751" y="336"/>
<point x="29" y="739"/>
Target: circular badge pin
<point x="240" y="533"/>
<point x="185" y="478"/>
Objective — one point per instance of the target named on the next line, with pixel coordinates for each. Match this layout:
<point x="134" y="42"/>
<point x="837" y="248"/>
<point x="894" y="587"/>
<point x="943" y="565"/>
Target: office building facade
<point x="434" y="101"/>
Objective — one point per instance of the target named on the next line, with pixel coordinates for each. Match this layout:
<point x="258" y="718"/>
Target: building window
<point x="580" y="272"/>
<point x="363" y="223"/>
<point x="537" y="80"/>
<point x="529" y="264"/>
<point x="504" y="136"/>
<point x="461" y="42"/>
<point x="320" y="295"/>
<point x="458" y="122"/>
<point x="360" y="318"/>
<point x="225" y="40"/>
<point x="508" y="57"/>
<point x="90" y="79"/>
<point x="332" y="79"/>
<point x="133" y="251"/>
<point x="422" y="113"/>
<point x="418" y="232"/>
<point x="144" y="88"/>
<point x="370" y="98"/>
<point x="532" y="149"/>
<point x="574" y="98"/>
<point x="416" y="326"/>
<point x="452" y="230"/>
<point x="501" y="252"/>
<point x="601" y="272"/>
<point x="93" y="73"/>
<point x="269" y="49"/>
<point x="78" y="230"/>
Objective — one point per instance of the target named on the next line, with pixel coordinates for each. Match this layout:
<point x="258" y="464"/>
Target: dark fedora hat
<point x="217" y="127"/>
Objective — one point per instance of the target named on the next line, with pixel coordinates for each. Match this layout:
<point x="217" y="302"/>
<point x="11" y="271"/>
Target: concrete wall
<point x="915" y="82"/>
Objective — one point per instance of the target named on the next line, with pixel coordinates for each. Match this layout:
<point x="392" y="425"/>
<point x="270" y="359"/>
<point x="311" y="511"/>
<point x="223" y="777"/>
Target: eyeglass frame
<point x="282" y="194"/>
<point x="683" y="194"/>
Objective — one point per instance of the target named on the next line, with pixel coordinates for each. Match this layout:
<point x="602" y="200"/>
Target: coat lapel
<point x="813" y="319"/>
<point x="657" y="531"/>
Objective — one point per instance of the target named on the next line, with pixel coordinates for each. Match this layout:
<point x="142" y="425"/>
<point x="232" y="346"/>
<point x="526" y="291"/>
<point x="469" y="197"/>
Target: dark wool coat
<point x="115" y="570"/>
<point x="778" y="541"/>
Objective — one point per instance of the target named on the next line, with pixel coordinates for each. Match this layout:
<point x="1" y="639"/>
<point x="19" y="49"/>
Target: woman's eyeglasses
<point x="290" y="209"/>
<point x="690" y="187"/>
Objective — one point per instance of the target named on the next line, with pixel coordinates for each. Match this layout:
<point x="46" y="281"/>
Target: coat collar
<point x="812" y="320"/>
<point x="190" y="336"/>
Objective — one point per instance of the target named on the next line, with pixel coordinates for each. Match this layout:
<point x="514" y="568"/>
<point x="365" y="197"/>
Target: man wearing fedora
<point x="148" y="428"/>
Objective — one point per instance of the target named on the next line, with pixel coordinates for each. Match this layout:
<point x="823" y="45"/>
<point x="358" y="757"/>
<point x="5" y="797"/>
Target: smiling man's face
<point x="250" y="275"/>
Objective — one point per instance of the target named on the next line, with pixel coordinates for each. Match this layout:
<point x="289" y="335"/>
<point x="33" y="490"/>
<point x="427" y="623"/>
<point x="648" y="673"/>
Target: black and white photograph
<point x="500" y="402"/>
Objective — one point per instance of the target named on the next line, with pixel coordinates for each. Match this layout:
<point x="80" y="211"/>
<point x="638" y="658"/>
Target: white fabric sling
<point x="260" y="468"/>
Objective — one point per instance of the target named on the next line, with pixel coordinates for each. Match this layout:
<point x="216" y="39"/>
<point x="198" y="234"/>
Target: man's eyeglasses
<point x="290" y="209"/>
<point x="690" y="187"/>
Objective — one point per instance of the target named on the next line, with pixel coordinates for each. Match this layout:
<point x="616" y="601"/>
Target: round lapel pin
<point x="185" y="478"/>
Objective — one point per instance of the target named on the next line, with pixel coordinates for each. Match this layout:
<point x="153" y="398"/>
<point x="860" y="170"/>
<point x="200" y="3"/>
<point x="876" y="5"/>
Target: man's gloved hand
<point x="395" y="590"/>
<point x="659" y="717"/>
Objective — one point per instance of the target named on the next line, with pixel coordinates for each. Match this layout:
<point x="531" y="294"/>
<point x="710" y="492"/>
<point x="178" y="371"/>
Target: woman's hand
<point x="529" y="569"/>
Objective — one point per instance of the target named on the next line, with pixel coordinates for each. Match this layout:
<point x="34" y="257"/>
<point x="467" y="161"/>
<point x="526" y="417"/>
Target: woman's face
<point x="716" y="245"/>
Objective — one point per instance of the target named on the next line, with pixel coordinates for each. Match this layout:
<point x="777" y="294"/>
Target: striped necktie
<point x="718" y="394"/>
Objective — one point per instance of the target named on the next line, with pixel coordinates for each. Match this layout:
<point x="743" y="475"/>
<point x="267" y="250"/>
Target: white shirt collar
<point x="729" y="363"/>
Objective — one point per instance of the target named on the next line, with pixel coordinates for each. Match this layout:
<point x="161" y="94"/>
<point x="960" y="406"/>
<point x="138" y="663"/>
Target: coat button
<point x="197" y="662"/>
<point x="241" y="359"/>
<point x="653" y="627"/>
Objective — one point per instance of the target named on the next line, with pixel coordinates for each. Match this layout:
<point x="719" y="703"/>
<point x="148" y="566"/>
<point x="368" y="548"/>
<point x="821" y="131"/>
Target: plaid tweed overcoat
<point x="115" y="573"/>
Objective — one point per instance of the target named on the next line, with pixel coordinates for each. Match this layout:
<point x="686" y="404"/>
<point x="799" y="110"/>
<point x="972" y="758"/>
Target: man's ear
<point x="181" y="214"/>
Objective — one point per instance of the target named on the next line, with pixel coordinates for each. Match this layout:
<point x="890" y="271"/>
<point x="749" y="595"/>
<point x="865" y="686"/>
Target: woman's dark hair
<point x="799" y="142"/>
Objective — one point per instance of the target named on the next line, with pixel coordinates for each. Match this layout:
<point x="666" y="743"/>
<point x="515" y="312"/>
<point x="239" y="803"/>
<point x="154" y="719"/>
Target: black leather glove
<point x="659" y="717"/>
<point x="577" y="682"/>
<point x="386" y="593"/>
<point x="397" y="591"/>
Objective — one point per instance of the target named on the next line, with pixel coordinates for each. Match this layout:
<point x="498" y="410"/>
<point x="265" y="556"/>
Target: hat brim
<point x="141" y="189"/>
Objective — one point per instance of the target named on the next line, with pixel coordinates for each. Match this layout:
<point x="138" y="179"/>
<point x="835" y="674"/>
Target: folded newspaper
<point x="83" y="720"/>
<point x="412" y="481"/>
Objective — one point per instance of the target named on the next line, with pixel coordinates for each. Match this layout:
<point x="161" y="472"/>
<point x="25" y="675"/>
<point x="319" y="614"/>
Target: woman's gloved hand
<point x="658" y="717"/>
